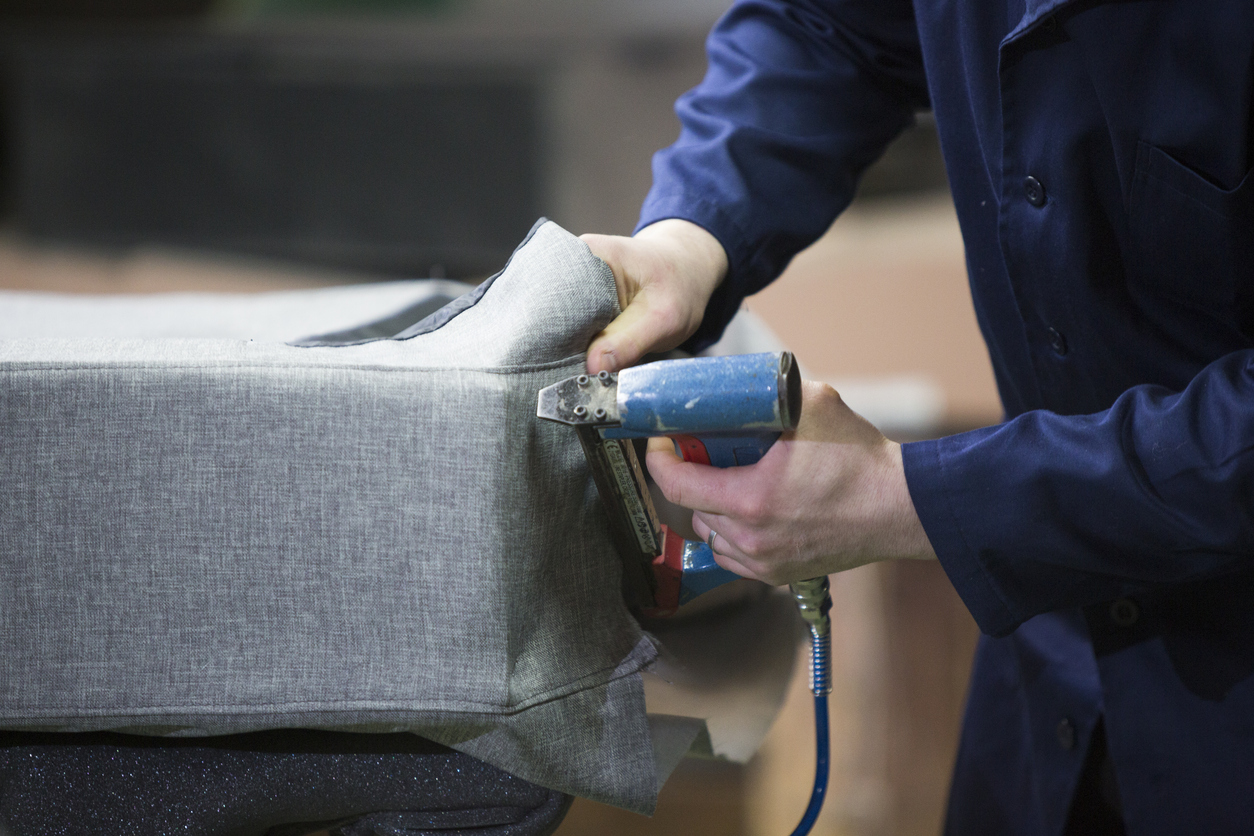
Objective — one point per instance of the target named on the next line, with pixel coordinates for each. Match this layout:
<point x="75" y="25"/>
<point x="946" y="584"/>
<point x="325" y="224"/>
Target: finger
<point x="696" y="486"/>
<point x="725" y="552"/>
<point x="726" y="536"/>
<point x="607" y="352"/>
<point x="620" y="345"/>
<point x="702" y="525"/>
<point x="731" y="564"/>
<point x="662" y="445"/>
<point x="651" y="322"/>
<point x="603" y="356"/>
<point x="603" y="352"/>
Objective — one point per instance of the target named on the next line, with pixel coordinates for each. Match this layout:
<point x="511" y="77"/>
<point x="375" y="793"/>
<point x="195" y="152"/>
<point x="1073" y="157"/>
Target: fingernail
<point x="609" y="360"/>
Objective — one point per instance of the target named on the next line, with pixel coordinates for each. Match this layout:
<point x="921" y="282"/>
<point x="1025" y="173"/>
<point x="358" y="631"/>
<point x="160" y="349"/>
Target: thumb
<point x="647" y="324"/>
<point x="664" y="277"/>
<point x="687" y="484"/>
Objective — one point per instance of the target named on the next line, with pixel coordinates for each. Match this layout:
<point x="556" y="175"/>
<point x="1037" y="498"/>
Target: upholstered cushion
<point x="208" y="536"/>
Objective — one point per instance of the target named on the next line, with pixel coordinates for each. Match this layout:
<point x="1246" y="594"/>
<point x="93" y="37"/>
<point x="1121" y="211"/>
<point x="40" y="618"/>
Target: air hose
<point x="814" y="602"/>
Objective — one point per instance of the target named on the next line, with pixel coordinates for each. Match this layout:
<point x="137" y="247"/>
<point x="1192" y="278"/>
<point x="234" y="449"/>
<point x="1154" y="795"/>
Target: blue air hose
<point x="814" y="602"/>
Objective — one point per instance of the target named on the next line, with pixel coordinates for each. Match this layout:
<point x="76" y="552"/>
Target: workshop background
<point x="239" y="145"/>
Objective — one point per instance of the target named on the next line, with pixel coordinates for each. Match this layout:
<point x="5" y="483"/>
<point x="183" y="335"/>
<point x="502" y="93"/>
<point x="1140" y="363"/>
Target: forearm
<point x="798" y="100"/>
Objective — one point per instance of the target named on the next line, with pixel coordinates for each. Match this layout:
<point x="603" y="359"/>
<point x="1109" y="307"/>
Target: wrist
<point x="907" y="538"/>
<point x="703" y="259"/>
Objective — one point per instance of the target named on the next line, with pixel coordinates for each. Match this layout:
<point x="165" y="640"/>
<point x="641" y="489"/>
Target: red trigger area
<point x="668" y="570"/>
<point x="668" y="567"/>
<point x="692" y="449"/>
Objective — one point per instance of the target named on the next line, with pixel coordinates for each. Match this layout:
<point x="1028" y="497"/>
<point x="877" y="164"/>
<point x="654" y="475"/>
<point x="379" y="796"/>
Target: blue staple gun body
<point x="721" y="411"/>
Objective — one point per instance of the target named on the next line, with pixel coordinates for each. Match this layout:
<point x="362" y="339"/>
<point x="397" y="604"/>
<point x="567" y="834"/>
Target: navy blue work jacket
<point x="1103" y="536"/>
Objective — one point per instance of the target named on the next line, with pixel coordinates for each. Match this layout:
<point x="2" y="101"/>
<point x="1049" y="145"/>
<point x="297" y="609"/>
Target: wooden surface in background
<point x="929" y="644"/>
<point x="700" y="797"/>
<point x="59" y="269"/>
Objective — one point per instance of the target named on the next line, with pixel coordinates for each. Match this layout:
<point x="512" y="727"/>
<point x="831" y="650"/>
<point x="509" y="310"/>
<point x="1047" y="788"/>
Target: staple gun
<point x="720" y="411"/>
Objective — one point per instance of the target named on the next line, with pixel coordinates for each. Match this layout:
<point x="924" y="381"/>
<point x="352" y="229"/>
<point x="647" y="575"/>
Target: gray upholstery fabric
<point x="213" y="536"/>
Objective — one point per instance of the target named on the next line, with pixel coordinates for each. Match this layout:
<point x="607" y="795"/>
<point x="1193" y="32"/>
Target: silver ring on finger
<point x="709" y="541"/>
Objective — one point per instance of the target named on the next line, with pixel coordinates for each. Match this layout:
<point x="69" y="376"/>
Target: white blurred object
<point x="727" y="661"/>
<point x="747" y="333"/>
<point x="274" y="315"/>
<point x="910" y="405"/>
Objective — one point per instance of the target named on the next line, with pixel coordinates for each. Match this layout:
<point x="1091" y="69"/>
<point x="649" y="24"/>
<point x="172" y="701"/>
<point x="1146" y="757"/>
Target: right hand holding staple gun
<point x="829" y="496"/>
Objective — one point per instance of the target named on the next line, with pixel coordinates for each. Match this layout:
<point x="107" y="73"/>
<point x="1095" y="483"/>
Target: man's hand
<point x="828" y="497"/>
<point x="665" y="276"/>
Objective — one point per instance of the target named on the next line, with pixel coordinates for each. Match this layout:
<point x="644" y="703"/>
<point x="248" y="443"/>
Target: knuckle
<point x="671" y="488"/>
<point x="824" y="395"/>
<point x="750" y="545"/>
<point x="669" y="319"/>
<point x="604" y="247"/>
<point x="775" y="577"/>
<point x="676" y="494"/>
<point x="751" y="506"/>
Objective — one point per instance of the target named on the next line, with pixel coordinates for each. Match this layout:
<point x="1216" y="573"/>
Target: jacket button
<point x="1066" y="734"/>
<point x="1057" y="342"/>
<point x="1034" y="191"/>
<point x="1124" y="612"/>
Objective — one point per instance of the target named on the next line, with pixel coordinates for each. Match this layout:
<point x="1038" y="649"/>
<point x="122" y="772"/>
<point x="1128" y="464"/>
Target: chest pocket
<point x="1191" y="240"/>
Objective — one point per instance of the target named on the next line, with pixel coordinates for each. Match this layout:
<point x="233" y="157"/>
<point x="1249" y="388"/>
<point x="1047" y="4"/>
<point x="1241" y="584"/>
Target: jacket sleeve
<point x="1047" y="511"/>
<point x="800" y="97"/>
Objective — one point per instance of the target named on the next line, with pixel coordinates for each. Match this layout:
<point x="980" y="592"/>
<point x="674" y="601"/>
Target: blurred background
<point x="247" y="145"/>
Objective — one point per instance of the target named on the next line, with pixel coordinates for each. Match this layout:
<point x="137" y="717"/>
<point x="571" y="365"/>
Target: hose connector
<point x="814" y="602"/>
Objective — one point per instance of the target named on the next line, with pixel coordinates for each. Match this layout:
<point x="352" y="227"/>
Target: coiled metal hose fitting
<point x="814" y="602"/>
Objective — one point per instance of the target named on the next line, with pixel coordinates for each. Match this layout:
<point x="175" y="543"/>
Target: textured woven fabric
<point x="219" y="536"/>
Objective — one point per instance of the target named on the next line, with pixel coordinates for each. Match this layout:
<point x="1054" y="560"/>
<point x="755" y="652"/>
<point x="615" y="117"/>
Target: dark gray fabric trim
<point x="380" y="329"/>
<point x="431" y="320"/>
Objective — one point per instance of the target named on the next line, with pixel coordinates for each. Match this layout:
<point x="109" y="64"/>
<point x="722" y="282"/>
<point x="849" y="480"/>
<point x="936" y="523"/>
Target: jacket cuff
<point x="926" y="480"/>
